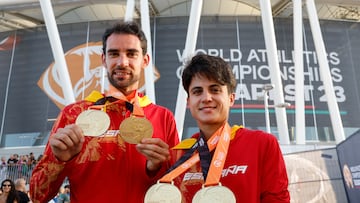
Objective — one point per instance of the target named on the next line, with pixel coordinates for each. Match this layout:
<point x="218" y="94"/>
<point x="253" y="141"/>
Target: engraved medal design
<point x="163" y="193"/>
<point x="134" y="129"/>
<point x="218" y="194"/>
<point x="93" y="122"/>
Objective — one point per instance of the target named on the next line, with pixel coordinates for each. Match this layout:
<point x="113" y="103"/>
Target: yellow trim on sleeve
<point x="185" y="144"/>
<point x="144" y="101"/>
<point x="94" y="96"/>
<point x="234" y="128"/>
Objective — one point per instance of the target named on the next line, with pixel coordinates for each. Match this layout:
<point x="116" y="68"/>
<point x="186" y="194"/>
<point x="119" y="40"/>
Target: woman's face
<point x="6" y="186"/>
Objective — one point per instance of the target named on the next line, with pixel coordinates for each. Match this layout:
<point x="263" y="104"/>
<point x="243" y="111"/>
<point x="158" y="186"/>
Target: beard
<point x="122" y="82"/>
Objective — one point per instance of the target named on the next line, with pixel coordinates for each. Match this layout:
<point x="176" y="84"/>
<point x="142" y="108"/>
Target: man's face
<point x="209" y="102"/>
<point x="124" y="61"/>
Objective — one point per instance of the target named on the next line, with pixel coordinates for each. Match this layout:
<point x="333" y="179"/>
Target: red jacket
<point x="254" y="170"/>
<point x="107" y="169"/>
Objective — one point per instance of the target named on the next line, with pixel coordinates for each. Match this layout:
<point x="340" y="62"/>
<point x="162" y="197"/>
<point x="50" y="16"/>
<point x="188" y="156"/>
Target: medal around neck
<point x="163" y="193"/>
<point x="134" y="129"/>
<point x="214" y="194"/>
<point x="93" y="122"/>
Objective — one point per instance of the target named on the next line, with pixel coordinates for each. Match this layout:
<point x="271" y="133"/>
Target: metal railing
<point x="15" y="171"/>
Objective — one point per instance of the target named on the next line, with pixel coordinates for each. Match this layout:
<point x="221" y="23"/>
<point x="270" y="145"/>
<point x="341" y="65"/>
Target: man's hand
<point x="67" y="142"/>
<point x="156" y="152"/>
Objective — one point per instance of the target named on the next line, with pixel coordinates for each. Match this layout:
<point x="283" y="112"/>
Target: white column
<point x="325" y="72"/>
<point x="272" y="56"/>
<point x="190" y="45"/>
<point x="299" y="73"/>
<point x="129" y="13"/>
<point x="57" y="51"/>
<point x="266" y="107"/>
<point x="149" y="71"/>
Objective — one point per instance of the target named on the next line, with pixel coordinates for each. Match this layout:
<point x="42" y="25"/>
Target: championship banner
<point x="349" y="159"/>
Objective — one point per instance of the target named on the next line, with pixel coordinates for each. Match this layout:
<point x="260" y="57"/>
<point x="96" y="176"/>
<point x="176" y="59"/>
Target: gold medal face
<point x="163" y="193"/>
<point x="93" y="122"/>
<point x="134" y="129"/>
<point x="218" y="194"/>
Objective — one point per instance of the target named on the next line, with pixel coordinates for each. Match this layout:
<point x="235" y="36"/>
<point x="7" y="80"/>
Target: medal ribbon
<point x="219" y="140"/>
<point x="204" y="153"/>
<point x="116" y="97"/>
<point x="218" y="160"/>
<point x="205" y="156"/>
<point x="136" y="109"/>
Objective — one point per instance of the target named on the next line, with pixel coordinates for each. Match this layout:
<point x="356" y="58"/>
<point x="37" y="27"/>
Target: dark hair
<point x="13" y="195"/>
<point x="126" y="28"/>
<point x="211" y="67"/>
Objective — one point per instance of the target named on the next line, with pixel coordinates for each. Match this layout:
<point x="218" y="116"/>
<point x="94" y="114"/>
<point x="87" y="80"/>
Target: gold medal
<point x="163" y="193"/>
<point x="218" y="194"/>
<point x="134" y="129"/>
<point x="93" y="122"/>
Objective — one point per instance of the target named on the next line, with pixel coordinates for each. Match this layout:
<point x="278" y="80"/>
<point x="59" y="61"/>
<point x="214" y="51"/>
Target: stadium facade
<point x="32" y="94"/>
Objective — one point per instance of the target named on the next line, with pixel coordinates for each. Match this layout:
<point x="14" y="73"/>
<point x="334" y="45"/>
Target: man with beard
<point x="86" y="145"/>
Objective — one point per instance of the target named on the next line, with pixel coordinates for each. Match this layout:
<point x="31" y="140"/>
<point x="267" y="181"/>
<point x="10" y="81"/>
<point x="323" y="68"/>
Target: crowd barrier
<point x="16" y="171"/>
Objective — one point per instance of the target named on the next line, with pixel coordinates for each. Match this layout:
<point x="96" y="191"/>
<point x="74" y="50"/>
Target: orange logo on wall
<point x="86" y="74"/>
<point x="8" y="42"/>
